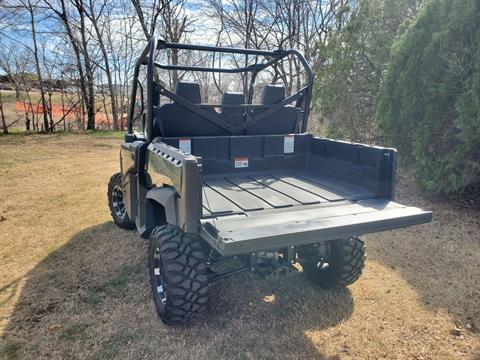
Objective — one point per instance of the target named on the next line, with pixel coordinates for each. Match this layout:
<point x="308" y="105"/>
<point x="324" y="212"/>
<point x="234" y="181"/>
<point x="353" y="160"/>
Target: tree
<point x="2" y="116"/>
<point x="28" y="24"/>
<point x="175" y="24"/>
<point x="75" y="25"/>
<point x="32" y="8"/>
<point x="351" y="65"/>
<point x="90" y="12"/>
<point x="429" y="105"/>
<point x="148" y="13"/>
<point x="280" y="24"/>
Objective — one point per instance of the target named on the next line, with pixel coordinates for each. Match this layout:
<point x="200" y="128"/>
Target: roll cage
<point x="301" y="97"/>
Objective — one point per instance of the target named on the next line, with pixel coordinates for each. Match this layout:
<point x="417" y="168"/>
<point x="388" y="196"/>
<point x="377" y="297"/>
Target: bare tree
<point x="94" y="19"/>
<point x="175" y="24"/>
<point x="279" y="24"/>
<point x="148" y="14"/>
<point x="2" y="115"/>
<point x="12" y="63"/>
<point x="123" y="47"/>
<point x="32" y="10"/>
<point x="80" y="6"/>
<point x="238" y="21"/>
<point x="105" y="40"/>
<point x="80" y="48"/>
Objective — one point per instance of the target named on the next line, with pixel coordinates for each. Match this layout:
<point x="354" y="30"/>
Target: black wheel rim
<point x="117" y="202"/>
<point x="159" y="289"/>
<point x="323" y="258"/>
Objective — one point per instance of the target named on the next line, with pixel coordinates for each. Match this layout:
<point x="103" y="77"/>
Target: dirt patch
<point x="72" y="285"/>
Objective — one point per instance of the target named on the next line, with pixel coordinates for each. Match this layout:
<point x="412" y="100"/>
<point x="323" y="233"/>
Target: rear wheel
<point x="178" y="274"/>
<point x="332" y="264"/>
<point x="116" y="203"/>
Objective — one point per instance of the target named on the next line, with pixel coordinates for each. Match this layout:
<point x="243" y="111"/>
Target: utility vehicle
<point x="243" y="181"/>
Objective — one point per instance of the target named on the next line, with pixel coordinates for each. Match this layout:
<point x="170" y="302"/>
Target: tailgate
<point x="293" y="226"/>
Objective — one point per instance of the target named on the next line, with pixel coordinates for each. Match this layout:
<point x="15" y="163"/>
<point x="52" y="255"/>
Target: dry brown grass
<point x="72" y="285"/>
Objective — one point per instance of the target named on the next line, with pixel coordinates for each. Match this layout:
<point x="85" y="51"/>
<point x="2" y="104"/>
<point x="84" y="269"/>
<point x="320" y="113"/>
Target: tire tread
<point x="124" y="223"/>
<point x="347" y="263"/>
<point x="186" y="277"/>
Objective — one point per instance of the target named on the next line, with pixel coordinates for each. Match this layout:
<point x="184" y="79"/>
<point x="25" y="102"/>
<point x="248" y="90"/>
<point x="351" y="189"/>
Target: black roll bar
<point x="147" y="58"/>
<point x="136" y="71"/>
<point x="227" y="50"/>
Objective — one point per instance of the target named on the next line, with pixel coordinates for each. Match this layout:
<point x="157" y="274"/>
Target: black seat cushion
<point x="178" y="121"/>
<point x="282" y="121"/>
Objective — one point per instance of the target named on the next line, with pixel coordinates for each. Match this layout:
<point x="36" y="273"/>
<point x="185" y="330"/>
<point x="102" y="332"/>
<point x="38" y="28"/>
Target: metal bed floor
<point x="239" y="193"/>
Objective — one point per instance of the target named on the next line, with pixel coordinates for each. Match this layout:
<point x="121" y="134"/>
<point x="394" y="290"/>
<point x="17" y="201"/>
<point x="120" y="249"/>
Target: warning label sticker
<point x="241" y="162"/>
<point x="185" y="146"/>
<point x="288" y="144"/>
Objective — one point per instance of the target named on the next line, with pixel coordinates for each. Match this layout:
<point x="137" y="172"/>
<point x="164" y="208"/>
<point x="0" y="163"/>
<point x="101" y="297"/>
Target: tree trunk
<point x="37" y="68"/>
<point x="101" y="44"/>
<point x="78" y="58"/>
<point x="90" y="105"/>
<point x="174" y="62"/>
<point x="4" y="123"/>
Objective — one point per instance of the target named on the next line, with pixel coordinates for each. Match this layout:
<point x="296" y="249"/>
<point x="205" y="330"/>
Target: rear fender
<point x="166" y="197"/>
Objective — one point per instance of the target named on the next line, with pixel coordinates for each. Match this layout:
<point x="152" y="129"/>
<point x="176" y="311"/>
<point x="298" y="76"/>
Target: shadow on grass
<point x="91" y="299"/>
<point x="442" y="269"/>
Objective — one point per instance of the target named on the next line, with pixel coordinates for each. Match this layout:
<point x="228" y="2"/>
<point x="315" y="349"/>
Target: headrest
<point x="189" y="90"/>
<point x="233" y="98"/>
<point x="273" y="94"/>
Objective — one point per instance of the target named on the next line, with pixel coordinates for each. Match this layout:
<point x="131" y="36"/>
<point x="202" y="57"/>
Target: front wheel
<point x="116" y="203"/>
<point x="333" y="264"/>
<point x="177" y="263"/>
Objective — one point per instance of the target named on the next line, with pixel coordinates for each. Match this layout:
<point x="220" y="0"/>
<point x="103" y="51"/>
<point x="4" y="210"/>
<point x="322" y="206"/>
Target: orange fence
<point x="59" y="112"/>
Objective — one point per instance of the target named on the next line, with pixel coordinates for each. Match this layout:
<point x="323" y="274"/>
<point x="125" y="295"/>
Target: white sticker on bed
<point x="288" y="144"/>
<point x="241" y="162"/>
<point x="185" y="146"/>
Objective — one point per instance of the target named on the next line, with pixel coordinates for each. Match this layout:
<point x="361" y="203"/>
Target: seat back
<point x="282" y="121"/>
<point x="177" y="121"/>
<point x="233" y="115"/>
<point x="189" y="90"/>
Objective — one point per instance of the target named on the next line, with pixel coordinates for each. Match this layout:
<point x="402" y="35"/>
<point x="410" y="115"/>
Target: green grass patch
<point x="111" y="348"/>
<point x="10" y="349"/>
<point x="93" y="298"/>
<point x="105" y="133"/>
<point x="109" y="134"/>
<point x="74" y="332"/>
<point x="17" y="132"/>
<point x="8" y="96"/>
<point x="115" y="287"/>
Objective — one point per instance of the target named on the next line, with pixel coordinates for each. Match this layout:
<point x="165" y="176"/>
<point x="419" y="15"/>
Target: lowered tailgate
<point x="298" y="226"/>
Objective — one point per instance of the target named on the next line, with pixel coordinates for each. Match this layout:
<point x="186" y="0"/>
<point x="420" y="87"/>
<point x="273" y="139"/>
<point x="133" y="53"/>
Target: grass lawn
<point x="74" y="286"/>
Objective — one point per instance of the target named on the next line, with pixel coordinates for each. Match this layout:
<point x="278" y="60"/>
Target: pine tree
<point x="429" y="101"/>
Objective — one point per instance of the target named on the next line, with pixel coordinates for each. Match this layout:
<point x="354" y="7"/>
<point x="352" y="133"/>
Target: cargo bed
<point x="274" y="210"/>
<point x="294" y="190"/>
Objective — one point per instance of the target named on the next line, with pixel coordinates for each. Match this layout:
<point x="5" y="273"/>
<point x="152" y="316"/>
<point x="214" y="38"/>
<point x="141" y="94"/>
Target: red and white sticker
<point x="241" y="162"/>
<point x="288" y="144"/>
<point x="185" y="146"/>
